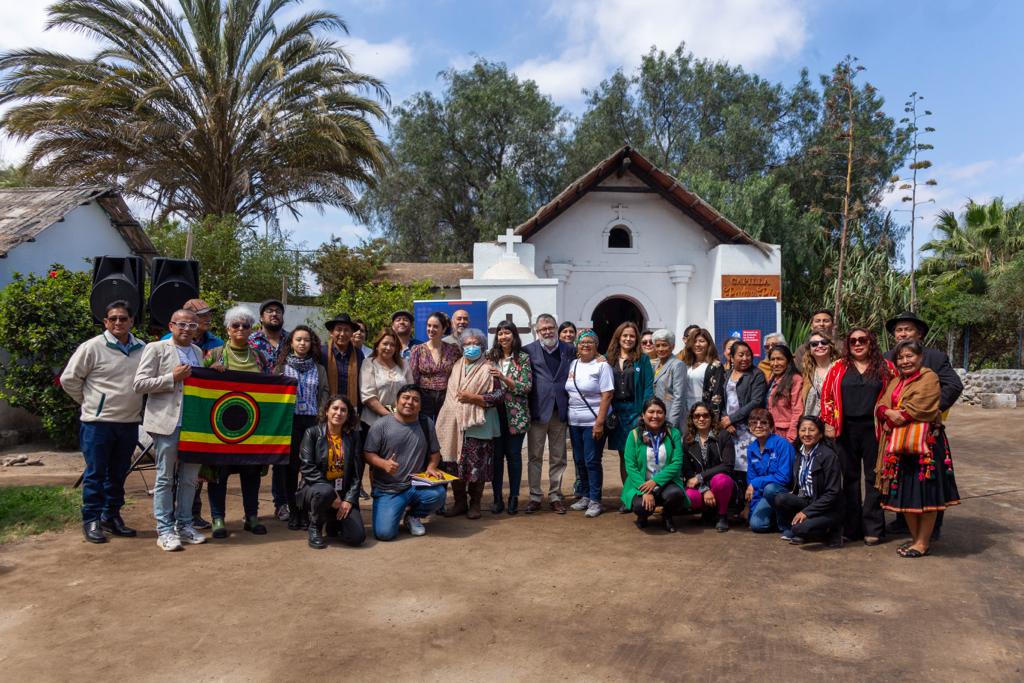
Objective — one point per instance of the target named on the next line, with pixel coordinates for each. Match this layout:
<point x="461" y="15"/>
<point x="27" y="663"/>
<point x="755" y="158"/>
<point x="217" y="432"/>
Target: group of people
<point x="784" y="444"/>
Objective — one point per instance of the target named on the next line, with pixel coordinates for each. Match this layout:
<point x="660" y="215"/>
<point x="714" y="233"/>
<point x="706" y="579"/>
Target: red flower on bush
<point x="53" y="273"/>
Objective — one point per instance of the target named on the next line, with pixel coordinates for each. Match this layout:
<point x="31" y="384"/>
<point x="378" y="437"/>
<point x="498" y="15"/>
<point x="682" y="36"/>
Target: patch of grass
<point x="28" y="510"/>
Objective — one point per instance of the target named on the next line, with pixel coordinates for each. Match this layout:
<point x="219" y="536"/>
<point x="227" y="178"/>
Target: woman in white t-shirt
<point x="591" y="386"/>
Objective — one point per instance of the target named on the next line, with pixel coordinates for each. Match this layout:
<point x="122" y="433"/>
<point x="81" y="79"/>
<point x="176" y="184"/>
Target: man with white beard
<point x="549" y="406"/>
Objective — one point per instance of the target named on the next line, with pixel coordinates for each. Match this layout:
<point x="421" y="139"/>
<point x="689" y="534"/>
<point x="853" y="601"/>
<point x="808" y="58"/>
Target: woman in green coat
<point x="654" y="465"/>
<point x="634" y="384"/>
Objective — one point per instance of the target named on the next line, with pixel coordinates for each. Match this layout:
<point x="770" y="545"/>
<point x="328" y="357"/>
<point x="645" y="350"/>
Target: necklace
<point x="248" y="354"/>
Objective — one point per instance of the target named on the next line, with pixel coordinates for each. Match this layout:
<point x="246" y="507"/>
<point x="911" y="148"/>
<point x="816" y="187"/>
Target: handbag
<point x="611" y="420"/>
<point x="909" y="439"/>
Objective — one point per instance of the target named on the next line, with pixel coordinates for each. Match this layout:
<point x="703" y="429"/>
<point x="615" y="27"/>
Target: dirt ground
<point x="529" y="597"/>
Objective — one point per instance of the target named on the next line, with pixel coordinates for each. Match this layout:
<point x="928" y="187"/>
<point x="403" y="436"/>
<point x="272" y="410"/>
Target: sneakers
<point x="199" y="523"/>
<point x="787" y="535"/>
<point x="253" y="525"/>
<point x="219" y="530"/>
<point x="415" y="526"/>
<point x="188" y="534"/>
<point x="581" y="504"/>
<point x="283" y="513"/>
<point x="169" y="542"/>
<point x="594" y="509"/>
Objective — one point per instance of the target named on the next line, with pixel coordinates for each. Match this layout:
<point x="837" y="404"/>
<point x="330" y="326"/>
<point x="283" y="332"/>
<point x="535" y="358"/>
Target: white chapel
<point x="627" y="241"/>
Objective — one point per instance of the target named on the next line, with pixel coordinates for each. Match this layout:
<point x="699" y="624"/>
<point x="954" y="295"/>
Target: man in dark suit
<point x="908" y="326"/>
<point x="549" y="408"/>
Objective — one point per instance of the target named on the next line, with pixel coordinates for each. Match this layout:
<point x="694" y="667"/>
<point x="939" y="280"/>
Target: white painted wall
<point x="84" y="233"/>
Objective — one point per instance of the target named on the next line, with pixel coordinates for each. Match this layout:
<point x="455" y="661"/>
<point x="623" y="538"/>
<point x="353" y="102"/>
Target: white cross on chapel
<point x="510" y="239"/>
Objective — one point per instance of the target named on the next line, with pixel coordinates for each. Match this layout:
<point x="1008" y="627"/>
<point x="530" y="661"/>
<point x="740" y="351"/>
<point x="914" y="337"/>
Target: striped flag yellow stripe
<point x="258" y="396"/>
<point x="255" y="439"/>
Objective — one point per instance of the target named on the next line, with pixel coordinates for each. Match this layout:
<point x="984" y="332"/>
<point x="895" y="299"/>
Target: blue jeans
<point x="108" y="448"/>
<point x="389" y="507"/>
<point x="168" y="508"/>
<point x="586" y="454"/>
<point x="508" y="447"/>
<point x="761" y="511"/>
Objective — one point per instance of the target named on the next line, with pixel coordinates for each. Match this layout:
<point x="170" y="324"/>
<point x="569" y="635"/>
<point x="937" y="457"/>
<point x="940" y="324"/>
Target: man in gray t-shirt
<point x="396" y="448"/>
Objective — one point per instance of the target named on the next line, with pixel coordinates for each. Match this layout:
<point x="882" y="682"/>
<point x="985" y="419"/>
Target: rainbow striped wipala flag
<point x="236" y="418"/>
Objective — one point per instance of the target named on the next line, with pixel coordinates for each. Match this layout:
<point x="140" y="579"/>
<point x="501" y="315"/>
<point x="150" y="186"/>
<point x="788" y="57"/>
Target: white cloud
<point x="24" y="24"/>
<point x="383" y="60"/>
<point x="601" y="36"/>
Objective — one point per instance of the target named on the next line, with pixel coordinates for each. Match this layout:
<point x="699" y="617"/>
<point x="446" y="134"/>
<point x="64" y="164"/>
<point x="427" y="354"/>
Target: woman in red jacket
<point x="848" y="398"/>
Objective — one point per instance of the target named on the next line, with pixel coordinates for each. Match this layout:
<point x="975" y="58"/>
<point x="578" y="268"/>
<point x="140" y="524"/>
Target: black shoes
<point x="722" y="525"/>
<point x="116" y="526"/>
<point x="316" y="539"/>
<point x="513" y="505"/>
<point x="497" y="507"/>
<point x="93" y="533"/>
<point x="669" y="525"/>
<point x="254" y="526"/>
<point x="199" y="523"/>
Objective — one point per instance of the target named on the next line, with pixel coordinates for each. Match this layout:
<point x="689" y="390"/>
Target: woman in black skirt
<point x="915" y="469"/>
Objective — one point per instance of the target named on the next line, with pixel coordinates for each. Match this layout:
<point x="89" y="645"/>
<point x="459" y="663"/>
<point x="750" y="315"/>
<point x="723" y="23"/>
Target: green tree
<point x="338" y="267"/>
<point x="234" y="260"/>
<point x="373" y="303"/>
<point x="471" y="162"/>
<point x="216" y="110"/>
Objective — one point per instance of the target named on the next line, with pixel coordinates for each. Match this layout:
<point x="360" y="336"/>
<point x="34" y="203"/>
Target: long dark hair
<point x="397" y="357"/>
<point x="785" y="383"/>
<point x="286" y="346"/>
<point x="353" y="418"/>
<point x="495" y="353"/>
<point x="691" y="426"/>
<point x="876" y="364"/>
<point x="690" y="357"/>
<point x="640" y="425"/>
<point x="614" y="350"/>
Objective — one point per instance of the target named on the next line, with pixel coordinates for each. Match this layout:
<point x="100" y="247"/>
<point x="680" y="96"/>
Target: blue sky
<point x="964" y="57"/>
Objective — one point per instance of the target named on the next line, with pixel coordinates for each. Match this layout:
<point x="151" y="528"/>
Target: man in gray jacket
<point x="96" y="378"/>
<point x="162" y="371"/>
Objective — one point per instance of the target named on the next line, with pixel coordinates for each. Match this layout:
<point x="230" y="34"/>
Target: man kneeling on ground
<point x="397" y="446"/>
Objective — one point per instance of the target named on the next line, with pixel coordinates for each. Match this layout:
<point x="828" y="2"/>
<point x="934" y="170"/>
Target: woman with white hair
<point x="669" y="379"/>
<point x="238" y="356"/>
<point x="469" y="423"/>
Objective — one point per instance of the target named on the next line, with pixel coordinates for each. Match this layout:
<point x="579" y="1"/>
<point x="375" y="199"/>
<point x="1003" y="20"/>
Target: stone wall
<point x="991" y="382"/>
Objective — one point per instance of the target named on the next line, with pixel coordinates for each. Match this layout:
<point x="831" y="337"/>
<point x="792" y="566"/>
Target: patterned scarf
<point x="335" y="457"/>
<point x="304" y="371"/>
<point x="352" y="390"/>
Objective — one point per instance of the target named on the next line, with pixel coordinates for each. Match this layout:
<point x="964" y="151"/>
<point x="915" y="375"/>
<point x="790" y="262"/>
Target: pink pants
<point x="721" y="485"/>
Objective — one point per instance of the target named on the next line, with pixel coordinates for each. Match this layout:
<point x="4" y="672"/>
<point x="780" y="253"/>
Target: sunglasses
<point x="701" y="416"/>
<point x="118" y="318"/>
<point x="186" y="326"/>
<point x="818" y="342"/>
<point x="858" y="341"/>
<point x="758" y="422"/>
<point x="240" y="326"/>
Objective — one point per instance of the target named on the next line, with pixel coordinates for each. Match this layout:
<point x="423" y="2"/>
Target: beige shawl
<point x="455" y="418"/>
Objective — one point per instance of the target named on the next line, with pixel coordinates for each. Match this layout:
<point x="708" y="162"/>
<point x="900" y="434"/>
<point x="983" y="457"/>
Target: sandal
<point x="911" y="552"/>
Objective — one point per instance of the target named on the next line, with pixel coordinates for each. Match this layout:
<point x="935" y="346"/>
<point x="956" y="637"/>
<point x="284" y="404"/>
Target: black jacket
<point x="950" y="386"/>
<point x="827" y="479"/>
<point x="750" y="391"/>
<point x="715" y="463"/>
<point x="714" y="390"/>
<point x="313" y="461"/>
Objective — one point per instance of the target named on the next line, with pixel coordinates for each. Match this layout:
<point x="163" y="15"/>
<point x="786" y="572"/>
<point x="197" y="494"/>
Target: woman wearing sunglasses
<point x="817" y="359"/>
<point x="706" y="473"/>
<point x="237" y="355"/>
<point x="849" y="393"/>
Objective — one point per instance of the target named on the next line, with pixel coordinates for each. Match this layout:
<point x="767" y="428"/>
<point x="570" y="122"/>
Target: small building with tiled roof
<point x="627" y="241"/>
<point x="40" y="226"/>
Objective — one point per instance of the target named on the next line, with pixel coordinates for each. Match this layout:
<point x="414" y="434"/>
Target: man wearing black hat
<point x="271" y="333"/>
<point x="343" y="359"/>
<point x="401" y="324"/>
<point x="905" y="326"/>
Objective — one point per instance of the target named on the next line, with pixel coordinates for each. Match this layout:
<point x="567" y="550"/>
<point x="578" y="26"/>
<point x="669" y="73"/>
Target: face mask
<point x="472" y="352"/>
<point x="549" y="342"/>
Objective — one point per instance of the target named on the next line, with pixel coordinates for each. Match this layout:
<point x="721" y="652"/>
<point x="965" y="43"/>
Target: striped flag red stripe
<point x="235" y="449"/>
<point x="231" y="385"/>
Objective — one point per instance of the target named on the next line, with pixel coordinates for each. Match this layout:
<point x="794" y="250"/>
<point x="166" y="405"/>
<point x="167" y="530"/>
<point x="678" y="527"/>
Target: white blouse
<point x="382" y="383"/>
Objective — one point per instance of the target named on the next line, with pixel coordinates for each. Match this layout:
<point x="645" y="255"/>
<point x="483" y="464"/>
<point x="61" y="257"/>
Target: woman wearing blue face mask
<point x="468" y="424"/>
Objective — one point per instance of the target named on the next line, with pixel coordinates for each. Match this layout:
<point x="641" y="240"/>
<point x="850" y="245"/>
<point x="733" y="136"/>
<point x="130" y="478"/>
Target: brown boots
<point x="459" y="494"/>
<point x="470" y="508"/>
<point x="476" y="492"/>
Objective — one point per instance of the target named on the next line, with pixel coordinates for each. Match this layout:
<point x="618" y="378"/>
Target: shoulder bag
<point x="611" y="420"/>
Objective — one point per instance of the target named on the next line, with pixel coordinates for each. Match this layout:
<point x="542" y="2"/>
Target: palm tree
<point x="984" y="239"/>
<point x="211" y="111"/>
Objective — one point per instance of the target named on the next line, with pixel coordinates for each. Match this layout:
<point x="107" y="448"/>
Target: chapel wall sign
<point x="745" y="286"/>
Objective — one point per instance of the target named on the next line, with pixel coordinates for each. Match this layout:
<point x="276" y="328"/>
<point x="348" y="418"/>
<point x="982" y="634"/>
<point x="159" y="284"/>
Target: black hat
<point x="270" y="302"/>
<point x="339" y="319"/>
<point x="402" y="314"/>
<point x="907" y="316"/>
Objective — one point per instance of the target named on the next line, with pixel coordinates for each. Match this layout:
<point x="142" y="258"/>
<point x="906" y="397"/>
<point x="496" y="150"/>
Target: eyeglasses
<point x="702" y="416"/>
<point x="758" y="421"/>
<point x="118" y="318"/>
<point x="186" y="326"/>
<point x="239" y="326"/>
<point x="858" y="341"/>
<point x="646" y="342"/>
<point x="818" y="342"/>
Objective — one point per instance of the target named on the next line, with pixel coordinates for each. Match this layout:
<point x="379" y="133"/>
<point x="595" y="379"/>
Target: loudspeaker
<point x="113" y="278"/>
<point x="175" y="281"/>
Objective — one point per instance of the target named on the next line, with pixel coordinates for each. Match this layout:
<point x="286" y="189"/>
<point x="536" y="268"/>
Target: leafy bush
<point x="375" y="302"/>
<point x="42" y="321"/>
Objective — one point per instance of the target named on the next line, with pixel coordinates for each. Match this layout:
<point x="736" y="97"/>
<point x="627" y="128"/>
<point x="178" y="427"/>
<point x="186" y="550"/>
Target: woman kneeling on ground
<point x="914" y="466"/>
<point x="813" y="510"/>
<point x="769" y="468"/>
<point x="654" y="461"/>
<point x="329" y="459"/>
<point x="709" y="484"/>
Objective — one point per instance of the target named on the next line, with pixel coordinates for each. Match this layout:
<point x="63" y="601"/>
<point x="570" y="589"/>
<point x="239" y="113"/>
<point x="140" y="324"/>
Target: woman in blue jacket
<point x="769" y="468"/>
